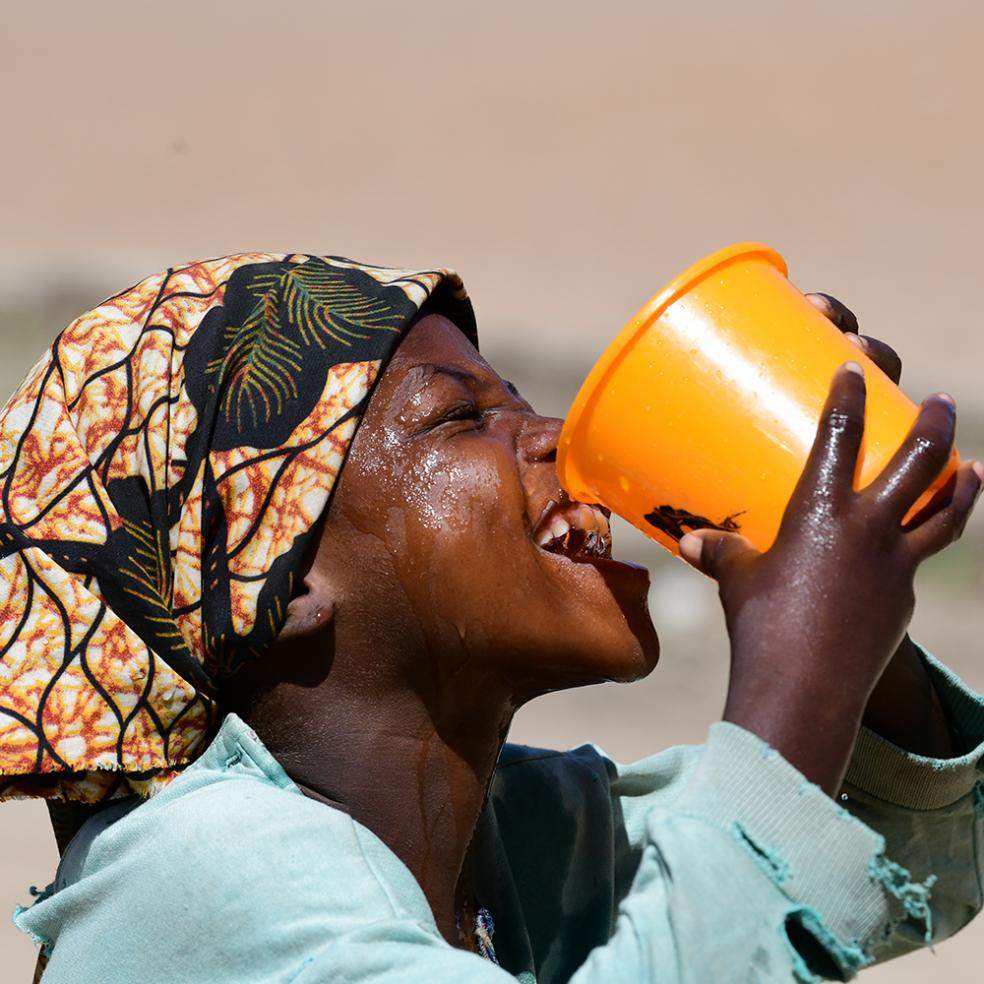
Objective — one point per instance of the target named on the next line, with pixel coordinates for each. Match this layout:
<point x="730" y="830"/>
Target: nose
<point x="538" y="441"/>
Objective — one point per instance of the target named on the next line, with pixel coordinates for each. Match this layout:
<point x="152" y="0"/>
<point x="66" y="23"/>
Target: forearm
<point x="813" y="724"/>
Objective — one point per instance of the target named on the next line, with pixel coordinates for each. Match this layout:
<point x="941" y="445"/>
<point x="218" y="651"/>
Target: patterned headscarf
<point x="161" y="469"/>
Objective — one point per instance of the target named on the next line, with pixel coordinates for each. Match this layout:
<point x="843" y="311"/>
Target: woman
<point x="313" y="668"/>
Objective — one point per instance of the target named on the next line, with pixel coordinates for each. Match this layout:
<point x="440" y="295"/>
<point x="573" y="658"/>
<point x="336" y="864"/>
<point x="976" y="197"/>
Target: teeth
<point x="558" y="526"/>
<point x="577" y="528"/>
<point x="585" y="518"/>
<point x="603" y="526"/>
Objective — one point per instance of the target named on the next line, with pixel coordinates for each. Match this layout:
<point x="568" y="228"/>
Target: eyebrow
<point x="431" y="369"/>
<point x="437" y="368"/>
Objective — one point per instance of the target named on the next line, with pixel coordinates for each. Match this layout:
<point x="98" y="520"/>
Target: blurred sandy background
<point x="567" y="158"/>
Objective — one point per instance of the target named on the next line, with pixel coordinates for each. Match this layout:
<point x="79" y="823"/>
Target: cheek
<point x="462" y="522"/>
<point x="454" y="497"/>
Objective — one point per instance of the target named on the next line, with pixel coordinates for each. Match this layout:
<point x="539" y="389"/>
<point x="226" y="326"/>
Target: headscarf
<point x="162" y="468"/>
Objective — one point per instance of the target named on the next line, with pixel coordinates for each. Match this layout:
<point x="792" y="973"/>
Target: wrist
<point x="801" y="681"/>
<point x="811" y="720"/>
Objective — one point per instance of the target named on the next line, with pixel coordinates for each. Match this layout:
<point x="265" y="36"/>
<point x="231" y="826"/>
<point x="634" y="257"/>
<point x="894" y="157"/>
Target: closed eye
<point x="461" y="411"/>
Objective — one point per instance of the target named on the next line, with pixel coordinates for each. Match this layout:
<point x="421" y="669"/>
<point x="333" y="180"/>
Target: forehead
<point x="435" y="346"/>
<point x="436" y="339"/>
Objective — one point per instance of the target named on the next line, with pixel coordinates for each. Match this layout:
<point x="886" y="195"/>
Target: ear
<point x="310" y="612"/>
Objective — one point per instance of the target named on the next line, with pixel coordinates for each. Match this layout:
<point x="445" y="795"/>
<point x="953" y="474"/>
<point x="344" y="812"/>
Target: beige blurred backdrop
<point x="566" y="158"/>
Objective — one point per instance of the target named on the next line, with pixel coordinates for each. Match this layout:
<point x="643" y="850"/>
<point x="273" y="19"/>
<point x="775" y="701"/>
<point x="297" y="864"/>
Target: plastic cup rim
<point x="639" y="322"/>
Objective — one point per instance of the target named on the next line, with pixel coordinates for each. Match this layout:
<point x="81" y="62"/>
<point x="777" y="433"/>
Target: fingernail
<point x="854" y="367"/>
<point x="856" y="340"/>
<point x="978" y="469"/>
<point x="690" y="547"/>
<point x="946" y="398"/>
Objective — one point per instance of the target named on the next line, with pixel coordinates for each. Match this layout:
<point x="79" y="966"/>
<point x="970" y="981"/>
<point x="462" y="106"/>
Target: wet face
<point x="448" y="516"/>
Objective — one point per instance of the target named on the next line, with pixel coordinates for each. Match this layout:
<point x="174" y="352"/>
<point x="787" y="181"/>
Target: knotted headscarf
<point x="161" y="470"/>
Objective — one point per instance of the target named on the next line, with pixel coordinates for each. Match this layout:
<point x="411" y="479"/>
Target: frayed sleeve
<point x="931" y="815"/>
<point x="762" y="872"/>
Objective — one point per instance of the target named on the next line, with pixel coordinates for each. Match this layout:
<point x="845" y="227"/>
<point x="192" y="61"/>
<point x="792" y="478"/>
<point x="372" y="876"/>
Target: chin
<point x="637" y="663"/>
<point x="628" y="647"/>
<point x="606" y="661"/>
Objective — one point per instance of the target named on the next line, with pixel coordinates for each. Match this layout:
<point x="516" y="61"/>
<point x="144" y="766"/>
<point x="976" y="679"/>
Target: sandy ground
<point x="566" y="160"/>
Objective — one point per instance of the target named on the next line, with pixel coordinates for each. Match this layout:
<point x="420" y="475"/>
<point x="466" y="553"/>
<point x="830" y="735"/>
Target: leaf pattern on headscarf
<point x="260" y="364"/>
<point x="324" y="305"/>
<point x="306" y="304"/>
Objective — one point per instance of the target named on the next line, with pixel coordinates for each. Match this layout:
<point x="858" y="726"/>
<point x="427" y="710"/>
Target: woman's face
<point x="449" y="513"/>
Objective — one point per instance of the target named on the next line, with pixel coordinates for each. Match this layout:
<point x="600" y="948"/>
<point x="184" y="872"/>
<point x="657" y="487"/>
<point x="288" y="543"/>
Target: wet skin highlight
<point x="428" y="614"/>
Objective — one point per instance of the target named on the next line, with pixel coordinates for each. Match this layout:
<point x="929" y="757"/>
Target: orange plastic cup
<point x="702" y="411"/>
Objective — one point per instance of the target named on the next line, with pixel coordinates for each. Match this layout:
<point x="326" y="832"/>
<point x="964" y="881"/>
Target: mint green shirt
<point x="710" y="863"/>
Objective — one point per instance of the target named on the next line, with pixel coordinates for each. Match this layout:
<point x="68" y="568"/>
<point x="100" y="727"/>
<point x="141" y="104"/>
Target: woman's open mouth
<point x="576" y="536"/>
<point x="575" y="530"/>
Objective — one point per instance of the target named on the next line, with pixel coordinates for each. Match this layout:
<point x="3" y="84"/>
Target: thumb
<point x="714" y="552"/>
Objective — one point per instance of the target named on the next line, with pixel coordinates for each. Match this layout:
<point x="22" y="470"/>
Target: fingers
<point x="839" y="313"/>
<point x="947" y="523"/>
<point x="830" y="467"/>
<point x="715" y="552"/>
<point x="921" y="457"/>
<point x="882" y="354"/>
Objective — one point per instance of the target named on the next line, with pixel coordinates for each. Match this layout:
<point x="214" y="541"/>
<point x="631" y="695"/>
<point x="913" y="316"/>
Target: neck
<point x="415" y="771"/>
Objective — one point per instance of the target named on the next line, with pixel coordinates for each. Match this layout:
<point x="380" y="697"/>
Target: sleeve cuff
<point x="882" y="769"/>
<point x="829" y="863"/>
